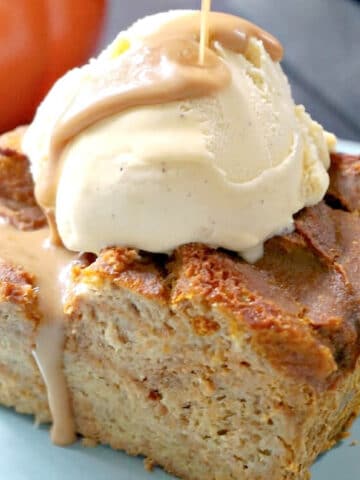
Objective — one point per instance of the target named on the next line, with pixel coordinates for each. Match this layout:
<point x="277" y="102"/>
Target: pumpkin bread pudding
<point x="179" y="273"/>
<point x="209" y="366"/>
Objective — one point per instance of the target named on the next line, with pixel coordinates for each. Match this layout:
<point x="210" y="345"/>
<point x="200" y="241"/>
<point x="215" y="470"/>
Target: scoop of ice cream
<point x="228" y="170"/>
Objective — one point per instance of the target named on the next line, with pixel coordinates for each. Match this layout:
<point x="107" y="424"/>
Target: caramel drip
<point x="164" y="68"/>
<point x="35" y="254"/>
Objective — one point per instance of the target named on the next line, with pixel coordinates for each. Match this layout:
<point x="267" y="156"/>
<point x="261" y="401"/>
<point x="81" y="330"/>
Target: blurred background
<point x="322" y="48"/>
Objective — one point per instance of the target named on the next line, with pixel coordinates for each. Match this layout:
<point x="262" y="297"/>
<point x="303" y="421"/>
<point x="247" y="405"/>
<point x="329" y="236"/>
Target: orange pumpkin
<point x="39" y="41"/>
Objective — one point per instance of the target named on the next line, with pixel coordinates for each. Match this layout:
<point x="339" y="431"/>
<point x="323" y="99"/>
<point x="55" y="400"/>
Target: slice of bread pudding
<point x="211" y="367"/>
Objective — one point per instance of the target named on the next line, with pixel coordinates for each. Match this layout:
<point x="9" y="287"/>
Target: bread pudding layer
<point x="209" y="366"/>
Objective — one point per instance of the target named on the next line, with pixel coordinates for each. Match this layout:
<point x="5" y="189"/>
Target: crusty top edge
<point x="17" y="201"/>
<point x="344" y="187"/>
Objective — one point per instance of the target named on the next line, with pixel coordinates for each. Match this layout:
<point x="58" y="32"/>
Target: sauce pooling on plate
<point x="48" y="263"/>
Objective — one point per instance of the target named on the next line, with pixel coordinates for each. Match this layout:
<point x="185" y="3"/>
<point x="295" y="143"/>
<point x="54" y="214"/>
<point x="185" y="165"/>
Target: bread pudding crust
<point x="344" y="181"/>
<point x="17" y="200"/>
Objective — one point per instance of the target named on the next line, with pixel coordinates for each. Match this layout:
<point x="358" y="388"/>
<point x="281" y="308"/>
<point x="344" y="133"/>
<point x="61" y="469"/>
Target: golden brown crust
<point x="17" y="201"/>
<point x="300" y="303"/>
<point x="18" y="287"/>
<point x="124" y="268"/>
<point x="328" y="304"/>
<point x="283" y="334"/>
<point x="345" y="180"/>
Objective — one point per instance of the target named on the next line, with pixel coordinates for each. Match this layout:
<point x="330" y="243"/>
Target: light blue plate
<point x="27" y="454"/>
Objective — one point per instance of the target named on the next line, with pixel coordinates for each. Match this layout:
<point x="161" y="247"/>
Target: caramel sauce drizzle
<point x="35" y="254"/>
<point x="164" y="68"/>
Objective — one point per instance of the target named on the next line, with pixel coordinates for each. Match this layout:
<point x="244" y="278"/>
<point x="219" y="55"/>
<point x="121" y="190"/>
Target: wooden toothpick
<point x="204" y="29"/>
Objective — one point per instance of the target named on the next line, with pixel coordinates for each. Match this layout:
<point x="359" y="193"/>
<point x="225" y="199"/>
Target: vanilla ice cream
<point x="229" y="170"/>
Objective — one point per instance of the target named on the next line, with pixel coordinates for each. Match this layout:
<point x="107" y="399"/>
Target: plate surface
<point x="27" y="454"/>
